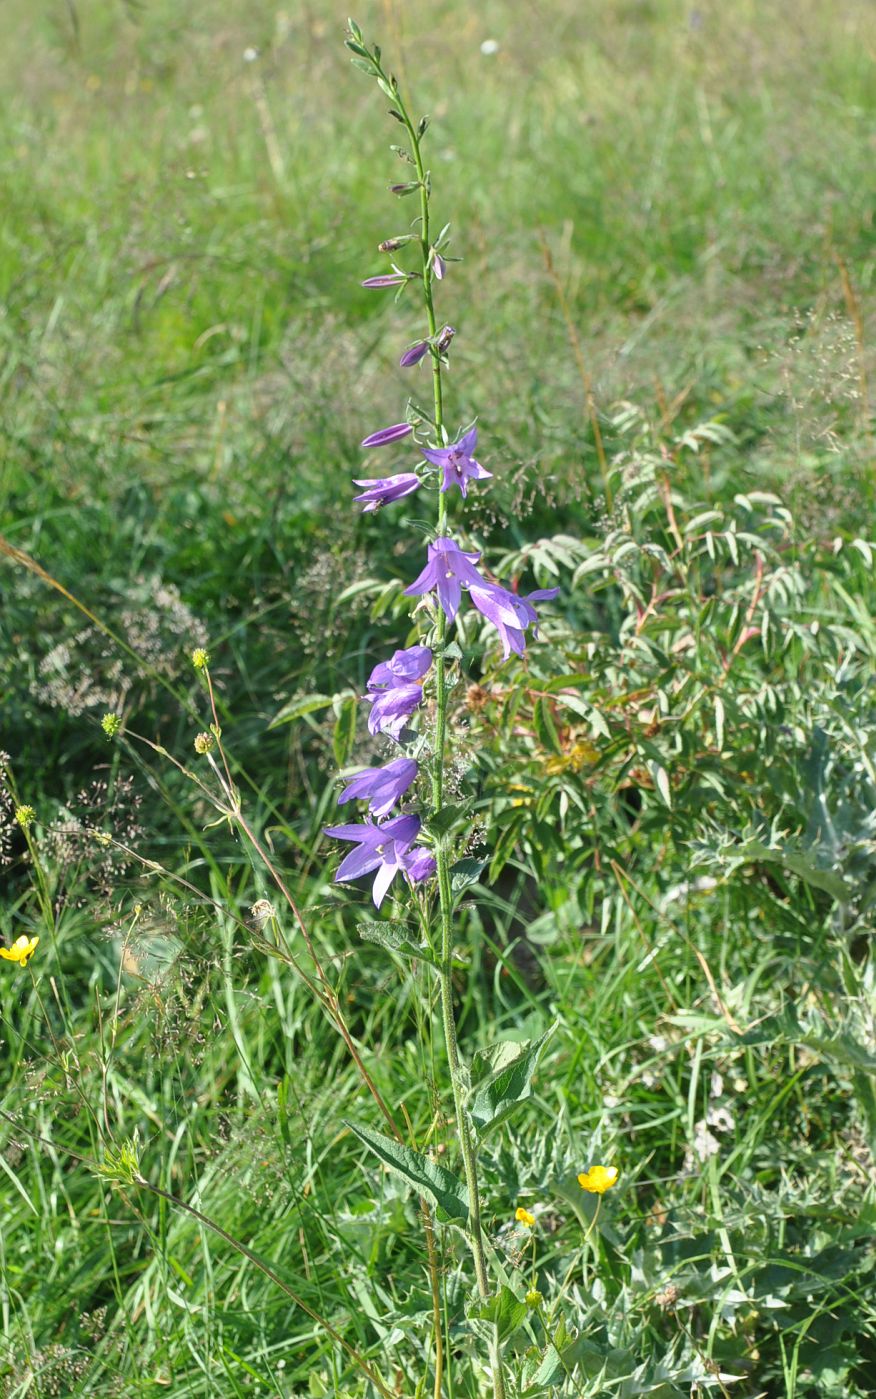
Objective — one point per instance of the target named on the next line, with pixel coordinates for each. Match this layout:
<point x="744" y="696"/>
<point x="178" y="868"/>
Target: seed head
<point x="25" y="816"/>
<point x="204" y="743"/>
<point x="111" y="723"/>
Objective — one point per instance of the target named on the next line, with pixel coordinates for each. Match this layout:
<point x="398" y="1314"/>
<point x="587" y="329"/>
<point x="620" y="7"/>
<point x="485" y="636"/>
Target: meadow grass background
<point x="187" y="363"/>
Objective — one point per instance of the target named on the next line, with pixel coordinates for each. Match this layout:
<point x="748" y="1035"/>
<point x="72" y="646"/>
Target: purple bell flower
<point x="382" y="786"/>
<point x="386" y="489"/>
<point x="419" y="864"/>
<point x="394" y="692"/>
<point x="381" y="848"/>
<point x="509" y="614"/>
<point x="457" y="462"/>
<point x="402" y="667"/>
<point x="449" y="569"/>
<point x="414" y="354"/>
<point x="387" y="434"/>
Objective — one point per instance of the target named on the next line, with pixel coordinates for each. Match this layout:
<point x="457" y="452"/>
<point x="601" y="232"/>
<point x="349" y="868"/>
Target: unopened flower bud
<point x="414" y="354"/>
<point x="439" y="266"/>
<point x="203" y="743"/>
<point x="111" y="723"/>
<point x="392" y="245"/>
<point x="445" y="335"/>
<point x="534" y="1297"/>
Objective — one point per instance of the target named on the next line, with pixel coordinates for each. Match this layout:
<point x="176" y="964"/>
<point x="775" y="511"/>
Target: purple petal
<point x="360" y="861"/>
<point x="360" y="833"/>
<point x="542" y="595"/>
<point x="449" y="594"/>
<point x="382" y="880"/>
<point x="436" y="455"/>
<point x="387" y="434"/>
<point x="468" y="442"/>
<point x="414" y="354"/>
<point x="495" y="604"/>
<point x="408" y="664"/>
<point x="425" y="582"/>
<point x="439" y="266"/>
<point x="389" y="279"/>
<point x="390" y="709"/>
<point x="403" y="830"/>
<point x="419" y="864"/>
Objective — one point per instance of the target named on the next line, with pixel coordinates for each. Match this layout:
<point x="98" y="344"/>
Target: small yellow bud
<point x="204" y="743"/>
<point x="200" y="658"/>
<point x="111" y="723"/>
<point x="524" y="1217"/>
<point x="598" y="1179"/>
<point x="534" y="1297"/>
<point x="25" y="816"/>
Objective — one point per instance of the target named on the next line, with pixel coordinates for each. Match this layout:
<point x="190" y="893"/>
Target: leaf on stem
<point x="442" y="1187"/>
<point x="503" y="1076"/>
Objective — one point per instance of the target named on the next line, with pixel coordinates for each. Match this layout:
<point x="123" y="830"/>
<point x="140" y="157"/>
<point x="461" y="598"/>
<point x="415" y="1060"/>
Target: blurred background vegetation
<point x="669" y="205"/>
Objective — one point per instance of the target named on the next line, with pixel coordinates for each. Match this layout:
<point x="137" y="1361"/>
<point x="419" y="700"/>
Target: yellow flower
<point x="534" y="1297"/>
<point x="200" y="658"/>
<point x="25" y="816"/>
<point x="598" y="1179"/>
<point x="524" y="1217"/>
<point x="21" y="950"/>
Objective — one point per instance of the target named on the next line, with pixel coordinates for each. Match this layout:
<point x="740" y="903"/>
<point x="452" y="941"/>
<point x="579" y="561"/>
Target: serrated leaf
<point x="505" y="1072"/>
<point x="395" y="937"/>
<point x="442" y="1187"/>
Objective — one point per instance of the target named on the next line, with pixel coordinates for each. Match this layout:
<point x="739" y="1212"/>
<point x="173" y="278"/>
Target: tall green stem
<point x="445" y="897"/>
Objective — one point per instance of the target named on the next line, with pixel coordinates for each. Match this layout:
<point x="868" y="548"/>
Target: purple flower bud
<point x="392" y="245"/>
<point x="386" y="489"/>
<point x="389" y="279"/>
<point x="439" y="266"/>
<point x="405" y="189"/>
<point x="387" y="434"/>
<point x="418" y="864"/>
<point x="445" y="335"/>
<point x="414" y="354"/>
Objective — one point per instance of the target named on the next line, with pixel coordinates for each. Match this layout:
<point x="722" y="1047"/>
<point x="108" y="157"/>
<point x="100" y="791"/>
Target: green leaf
<point x="440" y="822"/>
<point x="545" y="728"/>
<point x="442" y="1187"/>
<point x="395" y="937"/>
<point x="344" y="736"/>
<point x="502" y="1313"/>
<point x="465" y="873"/>
<point x="299" y="706"/>
<point x="503" y="1076"/>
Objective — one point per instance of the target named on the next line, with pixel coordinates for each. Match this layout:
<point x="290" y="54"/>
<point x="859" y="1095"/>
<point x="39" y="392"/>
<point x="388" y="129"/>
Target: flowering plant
<point x="408" y="693"/>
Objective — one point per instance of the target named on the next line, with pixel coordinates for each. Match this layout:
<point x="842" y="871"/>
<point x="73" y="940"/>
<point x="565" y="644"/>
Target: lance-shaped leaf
<point x="442" y="1187"/>
<point x="395" y="937"/>
<point x="503" y="1078"/>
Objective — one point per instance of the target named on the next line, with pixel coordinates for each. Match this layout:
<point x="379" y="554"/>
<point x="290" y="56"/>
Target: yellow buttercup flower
<point x="21" y="950"/>
<point x="598" y="1179"/>
<point x="524" y="1217"/>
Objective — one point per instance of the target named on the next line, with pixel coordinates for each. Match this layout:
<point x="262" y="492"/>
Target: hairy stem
<point x="442" y="854"/>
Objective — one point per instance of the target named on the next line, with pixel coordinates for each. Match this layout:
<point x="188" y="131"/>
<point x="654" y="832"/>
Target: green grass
<point x="187" y="364"/>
